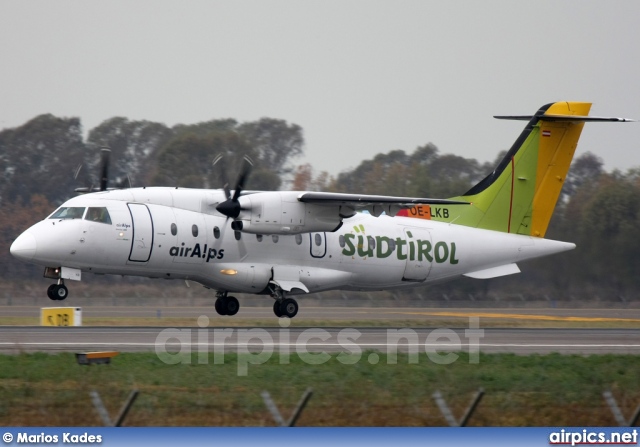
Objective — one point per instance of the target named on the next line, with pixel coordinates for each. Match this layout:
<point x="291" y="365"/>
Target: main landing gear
<point x="283" y="307"/>
<point x="287" y="307"/>
<point x="57" y="292"/>
<point x="226" y="305"/>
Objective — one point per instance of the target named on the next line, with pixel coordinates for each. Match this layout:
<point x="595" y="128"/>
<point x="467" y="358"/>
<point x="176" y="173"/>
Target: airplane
<point x="284" y="244"/>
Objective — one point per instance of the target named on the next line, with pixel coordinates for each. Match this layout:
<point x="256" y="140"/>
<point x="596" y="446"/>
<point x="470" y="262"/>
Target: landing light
<point x="52" y="272"/>
<point x="229" y="272"/>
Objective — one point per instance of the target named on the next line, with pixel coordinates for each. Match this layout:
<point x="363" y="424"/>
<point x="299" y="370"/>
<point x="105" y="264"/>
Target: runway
<point x="14" y="339"/>
<point x="343" y="313"/>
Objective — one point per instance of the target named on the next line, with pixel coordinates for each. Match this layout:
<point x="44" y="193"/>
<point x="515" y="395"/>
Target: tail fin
<point x="519" y="196"/>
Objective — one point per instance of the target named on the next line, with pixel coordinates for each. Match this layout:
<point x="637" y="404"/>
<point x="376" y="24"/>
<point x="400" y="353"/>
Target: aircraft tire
<point x="50" y="292"/>
<point x="60" y="292"/>
<point x="221" y="306"/>
<point x="232" y="306"/>
<point x="276" y="308"/>
<point x="289" y="308"/>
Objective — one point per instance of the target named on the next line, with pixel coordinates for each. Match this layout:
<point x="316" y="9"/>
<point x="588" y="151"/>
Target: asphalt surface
<point x="209" y="332"/>
<point x="15" y="339"/>
<point x="337" y="313"/>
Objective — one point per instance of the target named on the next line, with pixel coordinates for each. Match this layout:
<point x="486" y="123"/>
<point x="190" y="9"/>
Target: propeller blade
<point x="231" y="207"/>
<point x="242" y="248"/>
<point x="105" y="154"/>
<point x="238" y="236"/>
<point x="221" y="167"/>
<point x="77" y="172"/>
<point x="123" y="182"/>
<point x="105" y="158"/>
<point x="247" y="165"/>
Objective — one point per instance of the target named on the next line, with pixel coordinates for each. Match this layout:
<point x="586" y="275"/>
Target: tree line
<point x="47" y="157"/>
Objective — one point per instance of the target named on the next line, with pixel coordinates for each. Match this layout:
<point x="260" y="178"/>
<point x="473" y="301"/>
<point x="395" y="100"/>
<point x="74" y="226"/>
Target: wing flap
<point x="494" y="272"/>
<point x="288" y="286"/>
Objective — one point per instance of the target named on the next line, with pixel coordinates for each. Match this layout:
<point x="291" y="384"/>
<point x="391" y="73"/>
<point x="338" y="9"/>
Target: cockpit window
<point x="98" y="215"/>
<point x="71" y="212"/>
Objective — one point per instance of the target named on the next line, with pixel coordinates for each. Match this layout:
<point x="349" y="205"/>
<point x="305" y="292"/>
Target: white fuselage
<point x="177" y="234"/>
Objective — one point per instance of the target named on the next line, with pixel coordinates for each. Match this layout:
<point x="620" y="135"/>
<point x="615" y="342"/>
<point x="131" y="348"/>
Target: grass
<point x="549" y="390"/>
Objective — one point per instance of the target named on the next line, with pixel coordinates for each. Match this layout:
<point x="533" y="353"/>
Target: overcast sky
<point x="360" y="77"/>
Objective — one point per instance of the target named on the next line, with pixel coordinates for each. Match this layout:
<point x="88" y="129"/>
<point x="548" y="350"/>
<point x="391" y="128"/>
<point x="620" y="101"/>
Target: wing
<point x="374" y="204"/>
<point x="295" y="212"/>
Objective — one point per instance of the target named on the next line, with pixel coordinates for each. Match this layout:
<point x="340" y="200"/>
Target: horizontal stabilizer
<point x="557" y="118"/>
<point x="503" y="270"/>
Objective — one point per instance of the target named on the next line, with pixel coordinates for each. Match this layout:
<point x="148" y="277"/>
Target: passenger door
<point x="142" y="240"/>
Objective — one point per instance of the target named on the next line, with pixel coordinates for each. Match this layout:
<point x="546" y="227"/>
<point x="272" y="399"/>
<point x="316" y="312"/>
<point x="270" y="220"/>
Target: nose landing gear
<point x="57" y="292"/>
<point x="226" y="305"/>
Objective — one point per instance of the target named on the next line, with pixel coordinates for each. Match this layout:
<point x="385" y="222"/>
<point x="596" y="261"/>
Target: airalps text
<point x="196" y="252"/>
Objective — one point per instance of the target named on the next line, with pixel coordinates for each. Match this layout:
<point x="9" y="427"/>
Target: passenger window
<point x="216" y="232"/>
<point x="298" y="239"/>
<point x="174" y="229"/>
<point x="259" y="237"/>
<point x="194" y="230"/>
<point x="318" y="239"/>
<point x="372" y="242"/>
<point x="98" y="215"/>
<point x="238" y="235"/>
<point x="68" y="213"/>
<point x="341" y="241"/>
<point x="275" y="238"/>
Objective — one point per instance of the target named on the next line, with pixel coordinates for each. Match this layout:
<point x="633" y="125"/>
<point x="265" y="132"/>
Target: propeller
<point x="105" y="159"/>
<point x="124" y="182"/>
<point x="75" y="177"/>
<point x="231" y="207"/>
<point x="221" y="166"/>
<point x="105" y="155"/>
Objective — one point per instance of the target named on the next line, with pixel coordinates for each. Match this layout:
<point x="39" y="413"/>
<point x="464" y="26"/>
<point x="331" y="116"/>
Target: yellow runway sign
<point x="61" y="316"/>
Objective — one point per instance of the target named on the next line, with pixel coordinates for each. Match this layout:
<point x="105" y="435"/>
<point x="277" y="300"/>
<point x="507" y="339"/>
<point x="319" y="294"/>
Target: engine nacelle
<point x="282" y="213"/>
<point x="241" y="277"/>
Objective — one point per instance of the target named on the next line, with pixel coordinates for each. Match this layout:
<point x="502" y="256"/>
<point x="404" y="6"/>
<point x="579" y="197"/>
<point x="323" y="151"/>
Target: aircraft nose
<point x="24" y="247"/>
